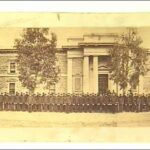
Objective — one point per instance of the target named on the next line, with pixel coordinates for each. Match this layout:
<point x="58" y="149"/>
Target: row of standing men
<point x="108" y="102"/>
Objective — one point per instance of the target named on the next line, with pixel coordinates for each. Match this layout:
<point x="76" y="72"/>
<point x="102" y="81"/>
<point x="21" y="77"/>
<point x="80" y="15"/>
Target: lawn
<point x="74" y="127"/>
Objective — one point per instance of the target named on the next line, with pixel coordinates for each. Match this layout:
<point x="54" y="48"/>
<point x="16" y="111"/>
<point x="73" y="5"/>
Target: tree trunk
<point x="117" y="88"/>
<point x="31" y="91"/>
<point x="124" y="91"/>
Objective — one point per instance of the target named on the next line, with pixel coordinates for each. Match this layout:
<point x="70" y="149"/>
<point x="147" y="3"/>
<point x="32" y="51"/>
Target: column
<point x="69" y="75"/>
<point x="95" y="74"/>
<point x="86" y="74"/>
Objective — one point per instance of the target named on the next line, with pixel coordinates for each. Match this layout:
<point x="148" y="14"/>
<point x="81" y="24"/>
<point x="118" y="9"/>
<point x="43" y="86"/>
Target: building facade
<point x="83" y="63"/>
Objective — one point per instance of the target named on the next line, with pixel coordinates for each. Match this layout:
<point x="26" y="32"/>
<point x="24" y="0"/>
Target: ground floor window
<point x="11" y="88"/>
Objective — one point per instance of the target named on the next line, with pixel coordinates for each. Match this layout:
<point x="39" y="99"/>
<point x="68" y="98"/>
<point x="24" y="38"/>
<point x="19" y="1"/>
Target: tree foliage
<point x="37" y="58"/>
<point x="128" y="59"/>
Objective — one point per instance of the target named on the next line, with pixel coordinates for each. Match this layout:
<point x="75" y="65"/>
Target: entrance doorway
<point x="103" y="83"/>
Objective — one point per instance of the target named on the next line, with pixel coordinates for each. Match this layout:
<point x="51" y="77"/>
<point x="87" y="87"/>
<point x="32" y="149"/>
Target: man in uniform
<point x="52" y="102"/>
<point x="56" y="106"/>
<point x="93" y="103"/>
<point x="138" y="109"/>
<point x="103" y="101"/>
<point x="26" y="101"/>
<point x="78" y="102"/>
<point x="43" y="101"/>
<point x="35" y="103"/>
<point x="96" y="102"/>
<point x="61" y="102"/>
<point x="46" y="103"/>
<point x="9" y="102"/>
<point x="70" y="103"/>
<point x="64" y="102"/>
<point x="109" y="101"/>
<point x="143" y="103"/>
<point x="100" y="97"/>
<point x="56" y="102"/>
<point x="5" y="100"/>
<point x="148" y="101"/>
<point x="135" y="102"/>
<point x="73" y="109"/>
<point x="17" y="99"/>
<point x="84" y="102"/>
<point x="12" y="101"/>
<point x="115" y="103"/>
<point x="87" y="103"/>
<point x="121" y="103"/>
<point x="126" y="104"/>
<point x="130" y="100"/>
<point x="23" y="101"/>
<point x="39" y="102"/>
<point x="106" y="102"/>
<point x="1" y="101"/>
<point x="30" y="102"/>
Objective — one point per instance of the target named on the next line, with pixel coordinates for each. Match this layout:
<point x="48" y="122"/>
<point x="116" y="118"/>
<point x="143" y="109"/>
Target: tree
<point x="128" y="60"/>
<point x="37" y="58"/>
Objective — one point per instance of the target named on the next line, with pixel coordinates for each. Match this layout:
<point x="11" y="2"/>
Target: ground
<point x="74" y="127"/>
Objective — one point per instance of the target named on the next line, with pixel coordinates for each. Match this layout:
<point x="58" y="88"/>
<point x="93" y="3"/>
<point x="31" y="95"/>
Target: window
<point x="11" y="88"/>
<point x="12" y="67"/>
<point x="77" y="84"/>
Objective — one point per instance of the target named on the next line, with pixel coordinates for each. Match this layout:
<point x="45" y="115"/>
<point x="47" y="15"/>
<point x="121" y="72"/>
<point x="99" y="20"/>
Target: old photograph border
<point x="123" y="135"/>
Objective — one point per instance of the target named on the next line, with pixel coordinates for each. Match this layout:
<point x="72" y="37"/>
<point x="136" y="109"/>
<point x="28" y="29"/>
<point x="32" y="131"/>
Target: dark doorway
<point x="103" y="83"/>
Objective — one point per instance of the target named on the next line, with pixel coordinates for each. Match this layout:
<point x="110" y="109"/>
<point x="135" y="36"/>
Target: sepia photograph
<point x="61" y="83"/>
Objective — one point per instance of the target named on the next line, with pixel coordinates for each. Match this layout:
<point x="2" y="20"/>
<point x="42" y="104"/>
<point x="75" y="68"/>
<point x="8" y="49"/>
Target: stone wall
<point x="4" y="60"/>
<point x="62" y="62"/>
<point x="6" y="77"/>
<point x="146" y="80"/>
<point x="61" y="86"/>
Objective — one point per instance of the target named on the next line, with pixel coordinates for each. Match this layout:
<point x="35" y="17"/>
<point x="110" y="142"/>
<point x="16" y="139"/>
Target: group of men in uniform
<point x="105" y="102"/>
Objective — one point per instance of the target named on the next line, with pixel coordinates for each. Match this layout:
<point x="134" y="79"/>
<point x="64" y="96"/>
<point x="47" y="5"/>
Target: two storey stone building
<point x="83" y="63"/>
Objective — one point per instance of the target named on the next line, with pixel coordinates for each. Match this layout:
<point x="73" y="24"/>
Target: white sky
<point x="7" y="35"/>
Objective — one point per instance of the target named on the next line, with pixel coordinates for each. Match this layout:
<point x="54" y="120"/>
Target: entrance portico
<point x="95" y="78"/>
<point x="92" y="72"/>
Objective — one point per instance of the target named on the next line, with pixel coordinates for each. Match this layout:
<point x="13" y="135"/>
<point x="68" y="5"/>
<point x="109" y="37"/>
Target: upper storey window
<point x="12" y="67"/>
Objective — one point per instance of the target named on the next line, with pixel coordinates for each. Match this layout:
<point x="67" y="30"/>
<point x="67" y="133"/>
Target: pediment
<point x="103" y="67"/>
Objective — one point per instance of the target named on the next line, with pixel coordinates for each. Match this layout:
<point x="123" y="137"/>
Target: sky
<point x="8" y="35"/>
